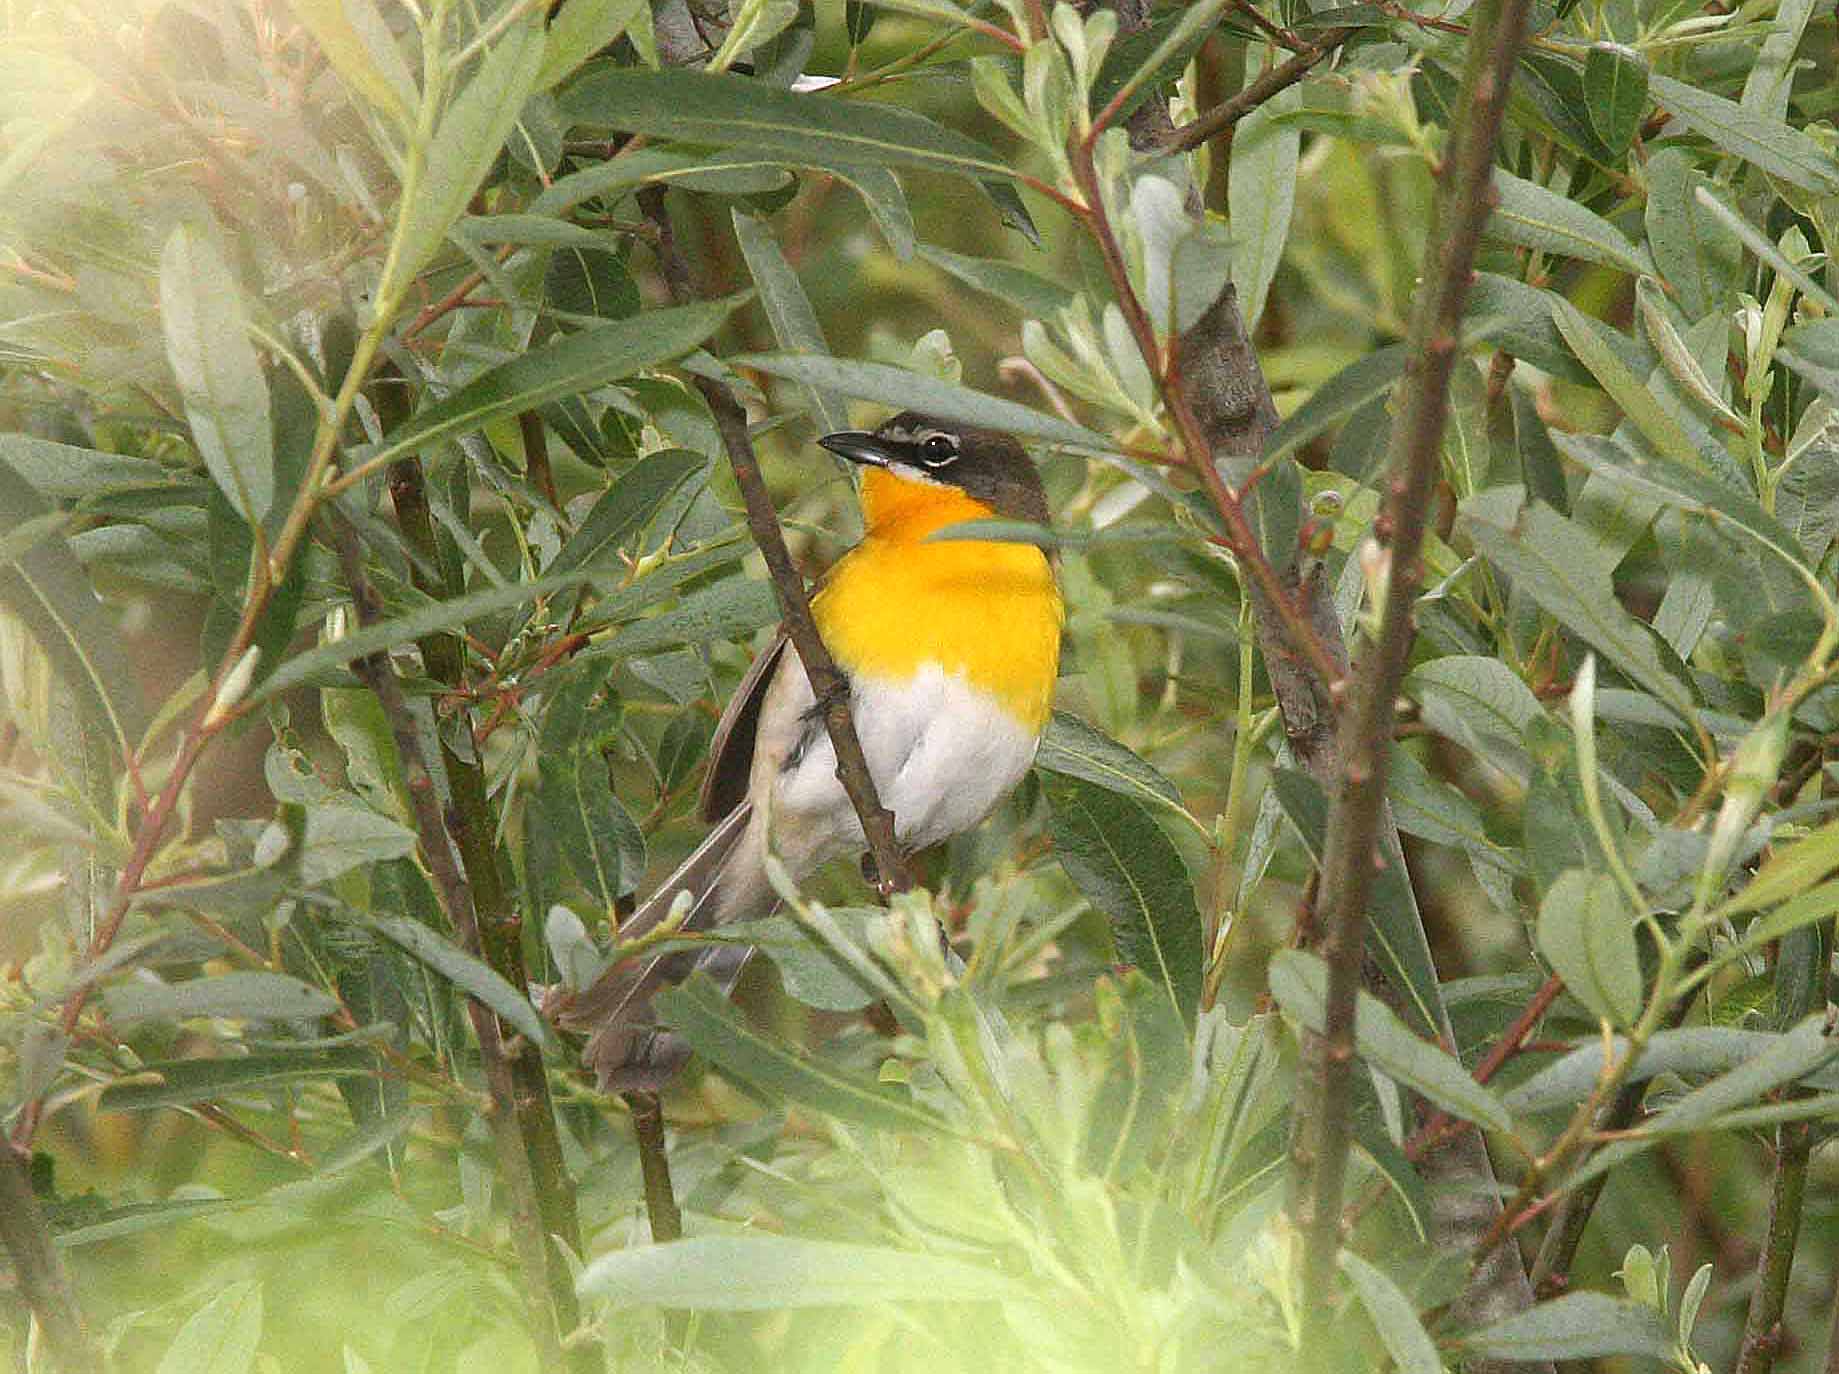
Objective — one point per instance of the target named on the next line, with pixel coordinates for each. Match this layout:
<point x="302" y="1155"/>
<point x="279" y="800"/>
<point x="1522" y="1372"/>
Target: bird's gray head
<point x="986" y="464"/>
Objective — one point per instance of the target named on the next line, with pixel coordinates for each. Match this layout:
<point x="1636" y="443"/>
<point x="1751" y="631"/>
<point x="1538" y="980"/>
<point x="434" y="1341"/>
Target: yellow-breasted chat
<point x="950" y="646"/>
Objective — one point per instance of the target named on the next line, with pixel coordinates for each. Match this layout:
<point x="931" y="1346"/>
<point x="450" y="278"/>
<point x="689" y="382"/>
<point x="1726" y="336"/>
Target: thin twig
<point x="456" y="902"/>
<point x="39" y="1269"/>
<point x="661" y="1208"/>
<point x="827" y="680"/>
<point x="1229" y="112"/>
<point x="1465" y="199"/>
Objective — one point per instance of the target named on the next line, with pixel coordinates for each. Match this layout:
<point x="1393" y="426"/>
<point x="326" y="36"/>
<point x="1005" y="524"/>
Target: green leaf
<point x="812" y="972"/>
<point x="1788" y="1058"/>
<point x="1299" y="982"/>
<point x="1363" y="380"/>
<point x="1035" y="296"/>
<point x="627" y="506"/>
<point x="731" y="609"/>
<point x="1766" y="143"/>
<point x="788" y="310"/>
<point x="1077" y="749"/>
<point x="1767" y="87"/>
<point x="591" y="282"/>
<point x="221" y="1336"/>
<point x="572" y="364"/>
<point x="340" y="837"/>
<point x="706" y="107"/>
<point x="360" y="48"/>
<point x="699" y="1012"/>
<point x="471" y="133"/>
<point x="1615" y="93"/>
<point x="180" y="1082"/>
<point x="895" y="386"/>
<point x="1631" y="393"/>
<point x="47" y="589"/>
<point x="735" y="173"/>
<point x="1695" y="260"/>
<point x="580" y="29"/>
<point x="1261" y="193"/>
<point x="1393" y="1316"/>
<point x="1693" y="1051"/>
<point x="1587" y="935"/>
<point x="575" y="797"/>
<point x="243" y="994"/>
<point x="1790" y="870"/>
<point x="1118" y="857"/>
<point x="65" y="472"/>
<point x="471" y="976"/>
<point x="1480" y="703"/>
<point x="764" y="1273"/>
<point x="1576" y="1326"/>
<point x="1556" y="563"/>
<point x="440" y="615"/>
<point x="1532" y="216"/>
<point x="1762" y="246"/>
<point x="1433" y="810"/>
<point x="226" y="397"/>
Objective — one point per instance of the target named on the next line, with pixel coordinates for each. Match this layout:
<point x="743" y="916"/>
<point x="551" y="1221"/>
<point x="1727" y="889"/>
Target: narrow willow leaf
<point x="1692" y="1051"/>
<point x="1077" y="749"/>
<point x="221" y="1336"/>
<point x="471" y="133"/>
<point x="441" y="615"/>
<point x="1112" y="848"/>
<point x="220" y="378"/>
<point x="570" y="365"/>
<point x="1577" y="1326"/>
<point x="766" y="1273"/>
<point x="471" y="976"/>
<point x="1035" y="296"/>
<point x="704" y="107"/>
<point x="699" y="1012"/>
<point x="47" y="589"/>
<point x="1697" y="261"/>
<point x="1615" y="93"/>
<point x="580" y="29"/>
<point x="180" y="1082"/>
<point x="1787" y="1058"/>
<point x="1299" y="982"/>
<point x="1587" y="935"/>
<point x="1630" y="392"/>
<point x="1790" y="870"/>
<point x="1261" y="193"/>
<point x="359" y="46"/>
<point x="1767" y="143"/>
<point x="1393" y="1315"/>
<point x="243" y="993"/>
<point x="65" y="472"/>
<point x="788" y="311"/>
<point x="1766" y="88"/>
<point x="1763" y="246"/>
<point x="627" y="507"/>
<point x="1553" y="561"/>
<point x="1363" y="380"/>
<point x="895" y="386"/>
<point x="1534" y="217"/>
<point x="731" y="609"/>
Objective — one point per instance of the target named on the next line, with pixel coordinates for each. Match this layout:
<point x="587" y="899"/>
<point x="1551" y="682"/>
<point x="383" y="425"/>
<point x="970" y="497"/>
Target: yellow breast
<point x="987" y="610"/>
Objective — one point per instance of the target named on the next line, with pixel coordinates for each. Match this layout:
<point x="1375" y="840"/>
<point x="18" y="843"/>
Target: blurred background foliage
<point x="1045" y="1159"/>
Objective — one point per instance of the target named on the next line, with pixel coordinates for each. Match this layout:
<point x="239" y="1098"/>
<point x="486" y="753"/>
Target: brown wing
<point x="724" y="786"/>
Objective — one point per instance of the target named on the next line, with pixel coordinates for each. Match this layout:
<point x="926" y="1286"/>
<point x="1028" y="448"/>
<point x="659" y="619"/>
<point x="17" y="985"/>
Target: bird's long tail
<point x="726" y="880"/>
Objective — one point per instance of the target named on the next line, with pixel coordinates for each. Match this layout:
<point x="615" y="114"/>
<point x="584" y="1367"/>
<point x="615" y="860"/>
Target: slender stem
<point x="1356" y="814"/>
<point x="827" y="681"/>
<point x="450" y="889"/>
<point x="654" y="1166"/>
<point x="1229" y="112"/>
<point x="39" y="1269"/>
<point x="1762" y="1332"/>
<point x="472" y="825"/>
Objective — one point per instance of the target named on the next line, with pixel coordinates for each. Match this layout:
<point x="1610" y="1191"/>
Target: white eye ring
<point x="936" y="450"/>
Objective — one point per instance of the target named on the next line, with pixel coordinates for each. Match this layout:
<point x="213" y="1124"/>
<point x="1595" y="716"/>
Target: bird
<point x="950" y="647"/>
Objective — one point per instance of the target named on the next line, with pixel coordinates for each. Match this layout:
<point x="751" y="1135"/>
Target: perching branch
<point x="827" y="680"/>
<point x="456" y="902"/>
<point x="1357" y="807"/>
<point x="661" y="1208"/>
<point x="1762" y="1330"/>
<point x="39" y="1269"/>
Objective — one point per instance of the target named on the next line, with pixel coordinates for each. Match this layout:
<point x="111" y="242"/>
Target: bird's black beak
<point x="859" y="446"/>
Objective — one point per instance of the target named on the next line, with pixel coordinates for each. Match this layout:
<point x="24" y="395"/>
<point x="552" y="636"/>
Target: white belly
<point x="941" y="751"/>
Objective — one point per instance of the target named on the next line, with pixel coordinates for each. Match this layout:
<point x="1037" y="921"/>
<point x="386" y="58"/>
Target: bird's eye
<point x="936" y="450"/>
